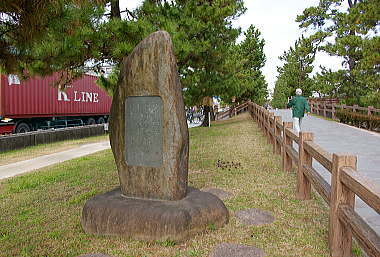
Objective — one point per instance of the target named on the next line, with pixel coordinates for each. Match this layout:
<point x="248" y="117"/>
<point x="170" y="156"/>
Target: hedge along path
<point x="364" y="117"/>
<point x="41" y="210"/>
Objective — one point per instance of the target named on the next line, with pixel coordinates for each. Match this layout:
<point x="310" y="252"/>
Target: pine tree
<point x="252" y="59"/>
<point x="296" y="71"/>
<point x="23" y="23"/>
<point x="351" y="34"/>
<point x="202" y="34"/>
<point x="93" y="34"/>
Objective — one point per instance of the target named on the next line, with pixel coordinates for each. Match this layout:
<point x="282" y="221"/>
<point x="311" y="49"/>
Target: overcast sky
<point x="276" y="21"/>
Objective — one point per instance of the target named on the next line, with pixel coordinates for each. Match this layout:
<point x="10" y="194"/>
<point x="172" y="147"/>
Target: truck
<point x="34" y="104"/>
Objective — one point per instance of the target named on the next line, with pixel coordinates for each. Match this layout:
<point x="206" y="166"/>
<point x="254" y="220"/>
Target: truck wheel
<point x="22" y="128"/>
<point x="101" y="120"/>
<point x="91" y="121"/>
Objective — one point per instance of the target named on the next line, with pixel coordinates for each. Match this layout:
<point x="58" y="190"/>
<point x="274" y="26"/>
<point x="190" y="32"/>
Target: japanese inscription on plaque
<point x="143" y="131"/>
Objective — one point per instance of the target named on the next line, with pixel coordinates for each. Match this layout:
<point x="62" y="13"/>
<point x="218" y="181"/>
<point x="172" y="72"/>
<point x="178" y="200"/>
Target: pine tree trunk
<point x="206" y="112"/>
<point x="115" y="9"/>
<point x="212" y="113"/>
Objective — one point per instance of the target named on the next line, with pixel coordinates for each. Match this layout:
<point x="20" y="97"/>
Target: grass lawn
<point x="43" y="149"/>
<point x="40" y="211"/>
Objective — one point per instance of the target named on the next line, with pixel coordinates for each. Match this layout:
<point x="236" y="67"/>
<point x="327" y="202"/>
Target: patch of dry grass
<point x="43" y="149"/>
<point x="41" y="210"/>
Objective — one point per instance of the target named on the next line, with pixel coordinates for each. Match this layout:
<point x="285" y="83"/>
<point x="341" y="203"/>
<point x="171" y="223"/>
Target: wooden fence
<point x="233" y="111"/>
<point x="328" y="109"/>
<point x="339" y="194"/>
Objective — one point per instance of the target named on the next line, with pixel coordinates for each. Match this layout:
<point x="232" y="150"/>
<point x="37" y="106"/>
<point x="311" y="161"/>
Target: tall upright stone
<point x="149" y="134"/>
<point x="150" y="142"/>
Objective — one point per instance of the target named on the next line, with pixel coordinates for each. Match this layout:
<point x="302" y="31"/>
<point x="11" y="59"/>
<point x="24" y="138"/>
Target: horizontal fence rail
<point x="329" y="108"/>
<point x="346" y="182"/>
<point x="232" y="111"/>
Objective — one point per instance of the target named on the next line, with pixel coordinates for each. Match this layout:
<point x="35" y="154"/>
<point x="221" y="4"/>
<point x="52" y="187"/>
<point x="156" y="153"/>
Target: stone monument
<point x="150" y="143"/>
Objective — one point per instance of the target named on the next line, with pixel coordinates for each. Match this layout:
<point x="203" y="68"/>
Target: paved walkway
<point x="335" y="137"/>
<point x="14" y="169"/>
<point x="17" y="168"/>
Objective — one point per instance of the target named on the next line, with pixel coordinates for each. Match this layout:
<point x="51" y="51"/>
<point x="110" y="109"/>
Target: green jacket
<point x="299" y="105"/>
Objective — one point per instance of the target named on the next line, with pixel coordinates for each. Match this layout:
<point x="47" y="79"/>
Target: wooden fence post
<point x="287" y="141"/>
<point x="311" y="106"/>
<point x="262" y="119"/>
<point x="266" y="113"/>
<point x="340" y="237"/>
<point x="264" y="123"/>
<point x="274" y="140"/>
<point x="269" y="126"/>
<point x="317" y="108"/>
<point x="304" y="158"/>
<point x="324" y="109"/>
<point x="277" y="133"/>
<point x="369" y="112"/>
<point x="333" y="115"/>
<point x="259" y="115"/>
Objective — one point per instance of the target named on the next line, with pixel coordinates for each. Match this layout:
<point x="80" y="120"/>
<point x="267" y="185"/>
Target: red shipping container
<point x="36" y="97"/>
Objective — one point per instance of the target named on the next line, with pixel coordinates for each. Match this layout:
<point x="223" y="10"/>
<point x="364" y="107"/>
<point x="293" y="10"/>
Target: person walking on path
<point x="299" y="105"/>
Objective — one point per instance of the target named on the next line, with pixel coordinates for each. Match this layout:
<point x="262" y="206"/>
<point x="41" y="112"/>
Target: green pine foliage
<point x="37" y="35"/>
<point x="349" y="30"/>
<point x="109" y="83"/>
<point x="345" y="29"/>
<point x="296" y="71"/>
<point x="281" y="93"/>
<point x="251" y="57"/>
<point x="80" y="36"/>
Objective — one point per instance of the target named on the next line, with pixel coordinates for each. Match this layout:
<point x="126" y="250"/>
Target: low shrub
<point x="360" y="120"/>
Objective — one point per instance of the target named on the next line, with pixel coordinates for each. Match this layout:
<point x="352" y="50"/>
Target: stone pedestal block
<point x="113" y="214"/>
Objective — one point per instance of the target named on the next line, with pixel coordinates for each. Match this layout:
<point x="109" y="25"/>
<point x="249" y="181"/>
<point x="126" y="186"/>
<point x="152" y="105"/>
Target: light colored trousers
<point x="297" y="124"/>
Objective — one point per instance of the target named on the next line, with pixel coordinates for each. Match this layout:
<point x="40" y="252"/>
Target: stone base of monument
<point x="144" y="219"/>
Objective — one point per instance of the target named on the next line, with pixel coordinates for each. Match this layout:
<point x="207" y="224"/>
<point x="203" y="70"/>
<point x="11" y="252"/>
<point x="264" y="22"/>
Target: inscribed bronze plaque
<point x="143" y="131"/>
